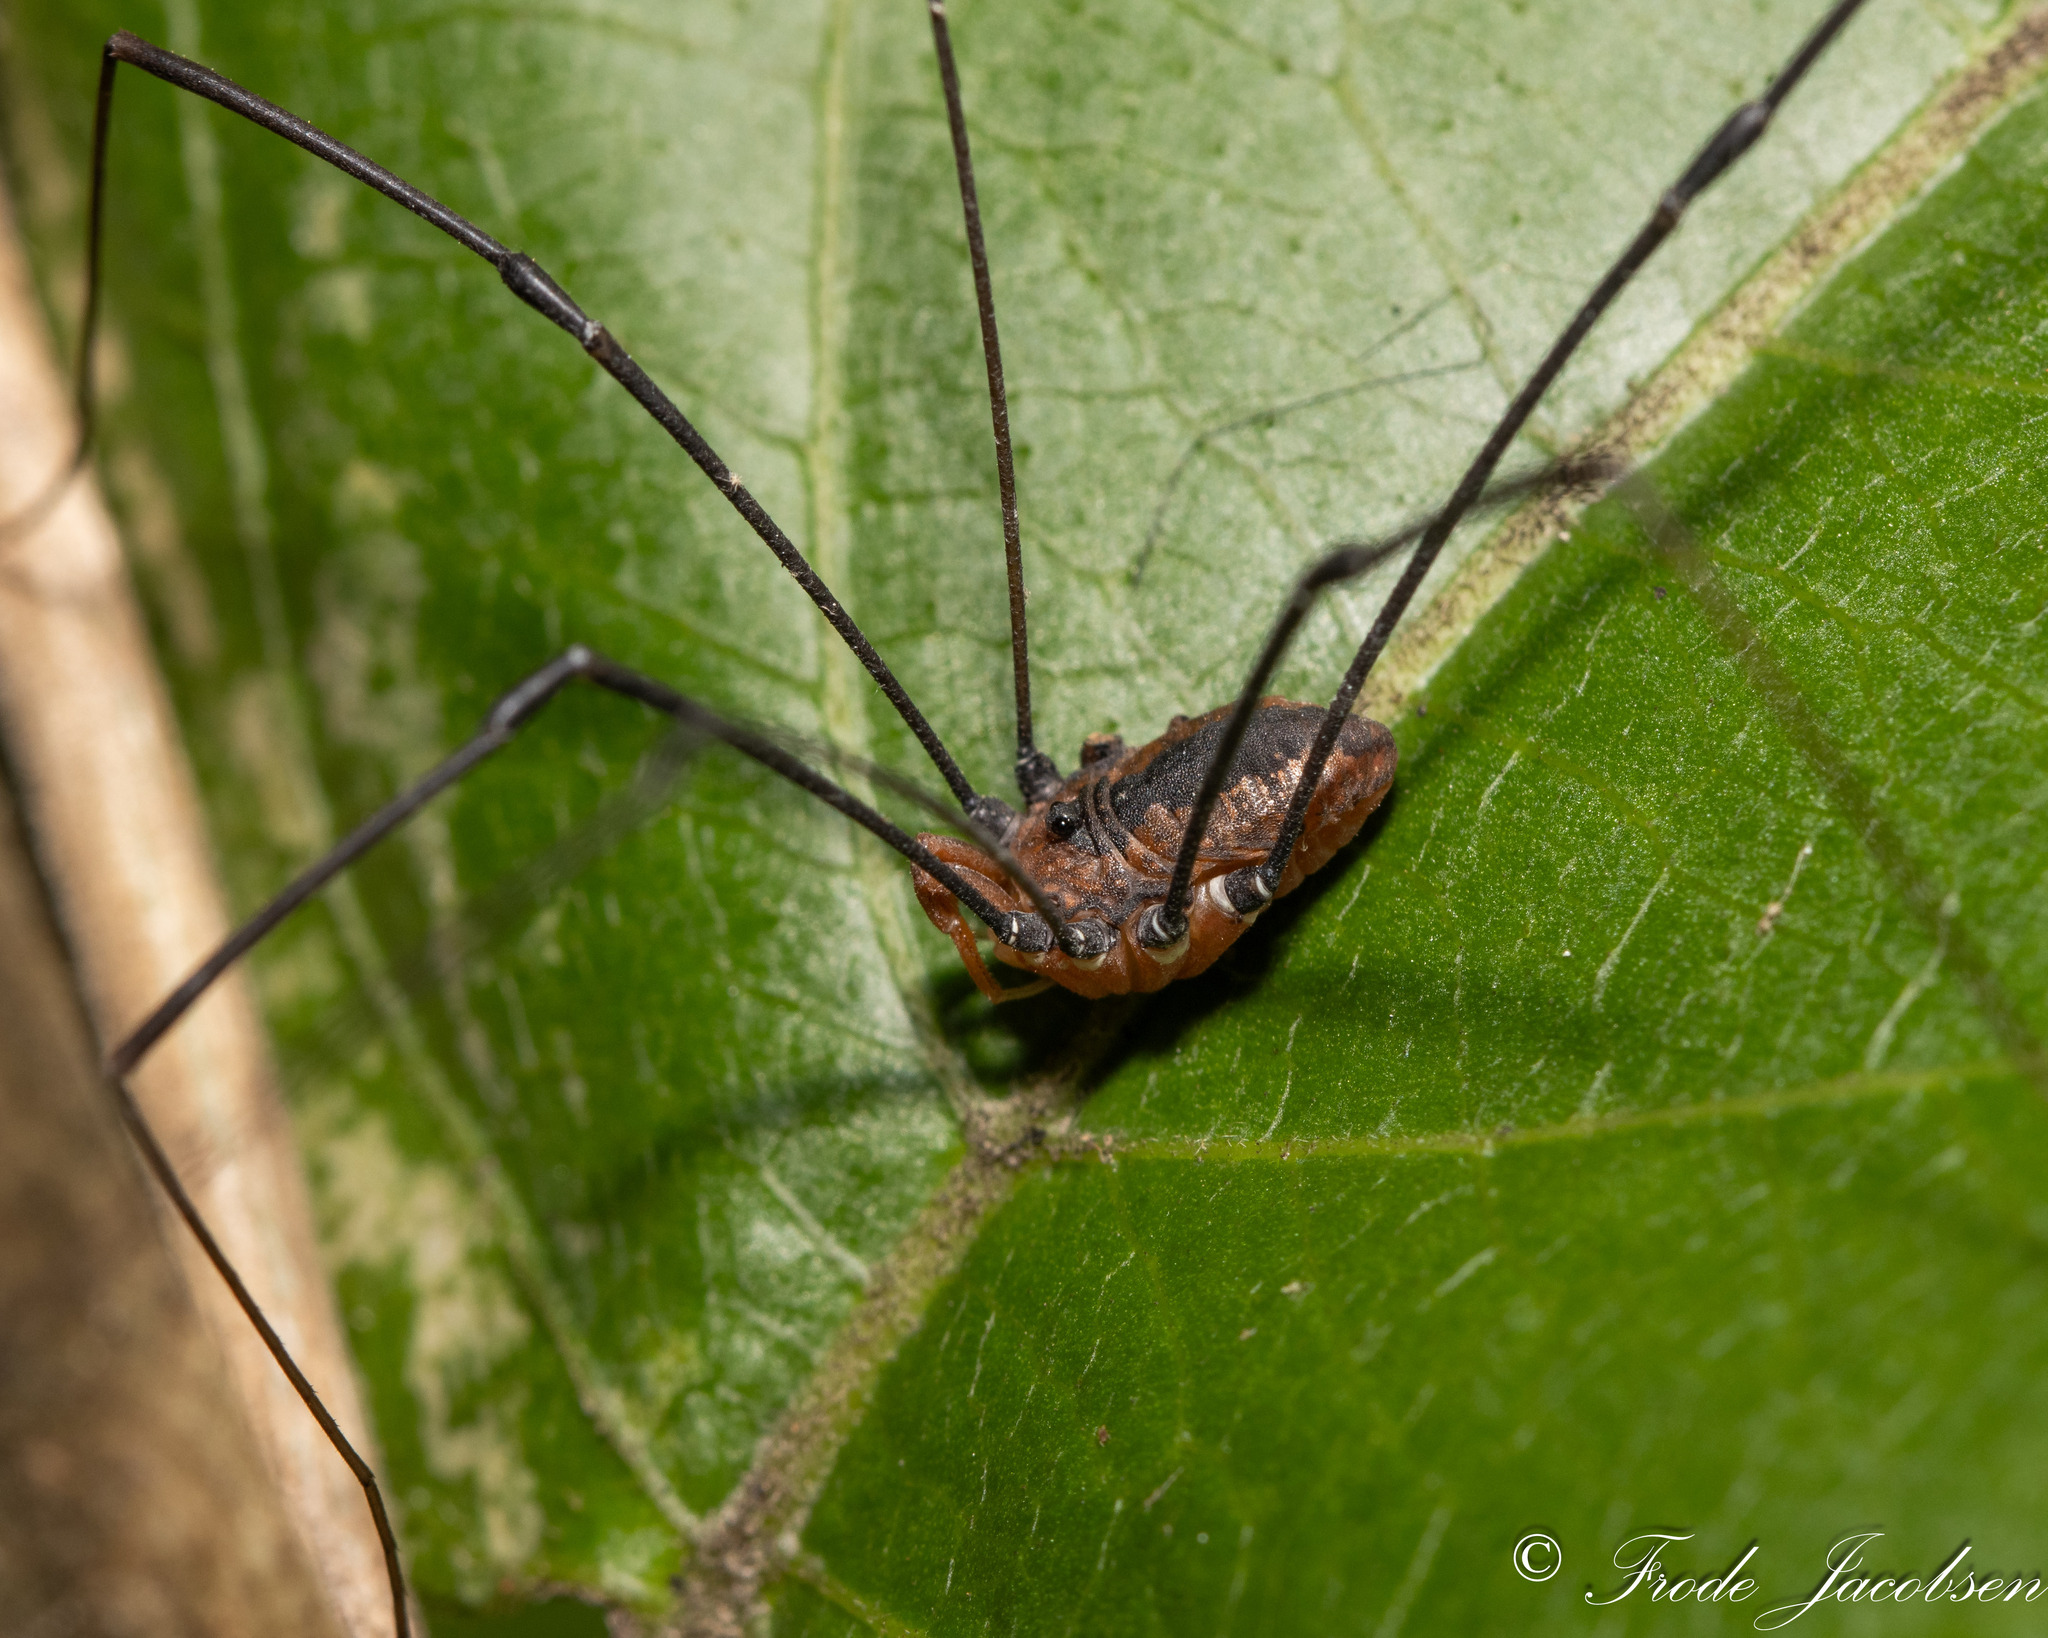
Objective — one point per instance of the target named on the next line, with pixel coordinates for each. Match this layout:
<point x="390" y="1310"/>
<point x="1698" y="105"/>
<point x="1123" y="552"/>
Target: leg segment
<point x="527" y="280"/>
<point x="1249" y="889"/>
<point x="1037" y="775"/>
<point x="1165" y="924"/>
<point x="1031" y="933"/>
<point x="944" y="913"/>
<point x="507" y="717"/>
<point x="1736" y="136"/>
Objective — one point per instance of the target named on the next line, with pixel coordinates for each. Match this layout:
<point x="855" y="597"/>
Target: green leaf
<point x="1613" y="1147"/>
<point x="1528" y="1170"/>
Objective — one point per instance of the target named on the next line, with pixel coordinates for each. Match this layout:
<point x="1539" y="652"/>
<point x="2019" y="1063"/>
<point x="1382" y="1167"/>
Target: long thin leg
<point x="1038" y="777"/>
<point x="1165" y="923"/>
<point x="494" y="913"/>
<point x="512" y="712"/>
<point x="1735" y="137"/>
<point x="85" y="397"/>
<point x="527" y="280"/>
<point x="173" y="1186"/>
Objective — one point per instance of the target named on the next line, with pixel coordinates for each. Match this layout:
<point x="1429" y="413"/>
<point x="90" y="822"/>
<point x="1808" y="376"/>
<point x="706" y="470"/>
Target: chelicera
<point x="1143" y="865"/>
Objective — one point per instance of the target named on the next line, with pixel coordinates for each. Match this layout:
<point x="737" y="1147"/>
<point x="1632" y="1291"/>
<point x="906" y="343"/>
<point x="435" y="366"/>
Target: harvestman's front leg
<point x="527" y="280"/>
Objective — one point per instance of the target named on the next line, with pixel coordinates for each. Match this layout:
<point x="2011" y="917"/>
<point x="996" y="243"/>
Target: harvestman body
<point x="1143" y="866"/>
<point x="1103" y="847"/>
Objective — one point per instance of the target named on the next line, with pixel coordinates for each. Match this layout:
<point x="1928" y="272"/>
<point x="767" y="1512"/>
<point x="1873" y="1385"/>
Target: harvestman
<point x="1142" y="866"/>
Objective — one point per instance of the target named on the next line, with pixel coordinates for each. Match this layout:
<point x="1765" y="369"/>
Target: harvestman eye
<point x="1197" y="841"/>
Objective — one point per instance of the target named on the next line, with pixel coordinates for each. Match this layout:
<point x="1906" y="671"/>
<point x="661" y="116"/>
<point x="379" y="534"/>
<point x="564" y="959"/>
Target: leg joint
<point x="519" y="705"/>
<point x="535" y="286"/>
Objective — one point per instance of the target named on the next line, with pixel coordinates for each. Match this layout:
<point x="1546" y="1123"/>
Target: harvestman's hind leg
<point x="507" y="717"/>
<point x="116" y="828"/>
<point x="1247" y="891"/>
<point x="539" y="289"/>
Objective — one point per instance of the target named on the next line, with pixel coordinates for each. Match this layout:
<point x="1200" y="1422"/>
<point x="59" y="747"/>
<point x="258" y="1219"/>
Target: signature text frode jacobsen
<point x="1845" y="1580"/>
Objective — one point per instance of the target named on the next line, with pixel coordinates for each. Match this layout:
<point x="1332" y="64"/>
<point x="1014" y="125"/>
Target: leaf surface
<point x="1507" y="1178"/>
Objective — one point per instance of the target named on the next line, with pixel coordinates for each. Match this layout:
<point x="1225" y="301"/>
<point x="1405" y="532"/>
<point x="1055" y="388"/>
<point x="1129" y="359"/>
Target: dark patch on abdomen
<point x="1275" y="741"/>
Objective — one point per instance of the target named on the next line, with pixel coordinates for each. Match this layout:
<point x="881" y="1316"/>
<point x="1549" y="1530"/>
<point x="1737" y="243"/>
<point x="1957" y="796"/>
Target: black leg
<point x="1735" y="137"/>
<point x="532" y="284"/>
<point x="512" y="712"/>
<point x="173" y="1186"/>
<point x="1165" y="924"/>
<point x="1038" y="777"/>
<point x="85" y="399"/>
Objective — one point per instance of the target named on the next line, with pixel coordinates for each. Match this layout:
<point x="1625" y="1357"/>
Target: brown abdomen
<point x="1154" y="794"/>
